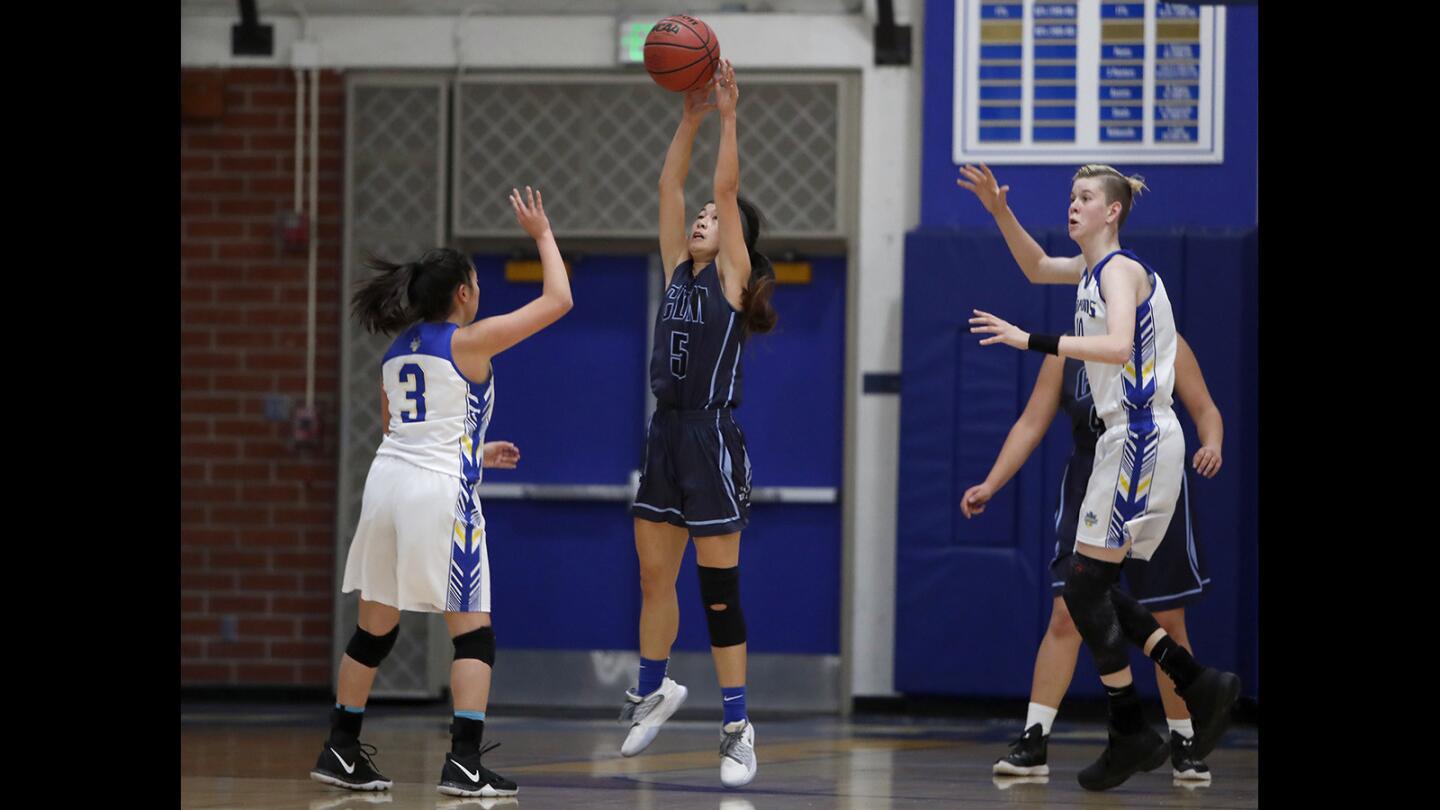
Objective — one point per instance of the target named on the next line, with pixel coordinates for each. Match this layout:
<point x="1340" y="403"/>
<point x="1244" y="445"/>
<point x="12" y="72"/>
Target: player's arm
<point x="1190" y="387"/>
<point x="1038" y="267"/>
<point x="1025" y="435"/>
<point x="674" y="238"/>
<point x="1120" y="284"/>
<point x="487" y="337"/>
<point x="384" y="407"/>
<point x="733" y="262"/>
<point x="1027" y="432"/>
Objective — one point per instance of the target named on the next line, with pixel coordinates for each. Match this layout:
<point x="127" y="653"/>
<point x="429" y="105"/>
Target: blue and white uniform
<point x="1175" y="575"/>
<point x="1140" y="458"/>
<point x="420" y="542"/>
<point x="696" y="473"/>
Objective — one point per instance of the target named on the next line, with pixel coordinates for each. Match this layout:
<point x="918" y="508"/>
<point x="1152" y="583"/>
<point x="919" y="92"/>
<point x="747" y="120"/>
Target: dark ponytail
<point x="756" y="310"/>
<point x="421" y="290"/>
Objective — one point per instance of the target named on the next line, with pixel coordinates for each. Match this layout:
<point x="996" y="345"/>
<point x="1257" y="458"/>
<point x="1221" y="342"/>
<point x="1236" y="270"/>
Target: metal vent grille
<point x="596" y="146"/>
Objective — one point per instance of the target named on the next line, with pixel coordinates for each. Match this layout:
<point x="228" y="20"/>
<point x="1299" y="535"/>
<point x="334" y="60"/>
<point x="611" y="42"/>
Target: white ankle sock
<point x="1044" y="715"/>
<point x="1185" y="728"/>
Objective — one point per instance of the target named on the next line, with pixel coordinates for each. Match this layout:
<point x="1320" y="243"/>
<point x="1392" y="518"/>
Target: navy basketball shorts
<point x="696" y="473"/>
<point x="1173" y="576"/>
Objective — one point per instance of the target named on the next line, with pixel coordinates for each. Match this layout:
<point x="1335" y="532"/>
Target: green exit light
<point x="632" y="41"/>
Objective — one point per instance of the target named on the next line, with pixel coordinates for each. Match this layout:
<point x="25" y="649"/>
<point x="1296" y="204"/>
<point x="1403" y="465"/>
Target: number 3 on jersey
<point x="408" y="372"/>
<point x="679" y="354"/>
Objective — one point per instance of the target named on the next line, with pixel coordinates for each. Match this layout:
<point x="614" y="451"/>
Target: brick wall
<point x="257" y="513"/>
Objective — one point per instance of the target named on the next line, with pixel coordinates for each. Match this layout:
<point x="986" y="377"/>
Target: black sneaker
<point x="1123" y="757"/>
<point x="1187" y="765"/>
<point x="350" y="767"/>
<point x="1027" y="755"/>
<point x="463" y="775"/>
<point x="1209" y="699"/>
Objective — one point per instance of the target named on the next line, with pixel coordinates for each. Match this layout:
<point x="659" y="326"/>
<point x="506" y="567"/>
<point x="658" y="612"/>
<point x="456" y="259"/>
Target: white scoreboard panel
<point x="1079" y="81"/>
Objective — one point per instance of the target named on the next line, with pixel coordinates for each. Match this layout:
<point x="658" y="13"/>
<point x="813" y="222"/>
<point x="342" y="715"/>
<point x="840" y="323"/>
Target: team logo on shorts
<point x="1090" y="520"/>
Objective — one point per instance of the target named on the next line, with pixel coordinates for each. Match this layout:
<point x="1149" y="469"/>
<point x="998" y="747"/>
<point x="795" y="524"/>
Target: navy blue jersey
<point x="698" y="338"/>
<point x="1078" y="403"/>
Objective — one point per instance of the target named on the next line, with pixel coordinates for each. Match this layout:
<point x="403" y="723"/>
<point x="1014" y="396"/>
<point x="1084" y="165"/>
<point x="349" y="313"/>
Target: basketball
<point x="681" y="53"/>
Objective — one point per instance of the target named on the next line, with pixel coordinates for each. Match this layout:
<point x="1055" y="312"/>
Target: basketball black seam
<point x="682" y="67"/>
<point x="677" y="45"/>
<point x="693" y="84"/>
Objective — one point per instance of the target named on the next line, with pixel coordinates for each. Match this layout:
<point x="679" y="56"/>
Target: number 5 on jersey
<point x="679" y="354"/>
<point x="415" y="413"/>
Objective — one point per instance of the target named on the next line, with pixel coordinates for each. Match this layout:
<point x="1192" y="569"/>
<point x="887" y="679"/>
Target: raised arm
<point x="734" y="259"/>
<point x="1025" y="435"/>
<point x="1038" y="267"/>
<point x="477" y="343"/>
<point x="1190" y="387"/>
<point x="674" y="238"/>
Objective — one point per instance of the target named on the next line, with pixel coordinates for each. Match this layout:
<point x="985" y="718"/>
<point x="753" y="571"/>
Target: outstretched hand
<point x="698" y="102"/>
<point x="727" y="92"/>
<point x="1000" y="330"/>
<point x="530" y="212"/>
<point x="985" y="186"/>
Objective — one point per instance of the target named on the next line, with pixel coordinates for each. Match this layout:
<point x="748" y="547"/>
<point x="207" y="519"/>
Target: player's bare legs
<point x="1055" y="660"/>
<point x="656" y="697"/>
<point x="355" y="679"/>
<point x="660" y="547"/>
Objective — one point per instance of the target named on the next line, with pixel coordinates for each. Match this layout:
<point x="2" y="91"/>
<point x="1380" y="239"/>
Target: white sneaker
<point x="737" y="754"/>
<point x="647" y="714"/>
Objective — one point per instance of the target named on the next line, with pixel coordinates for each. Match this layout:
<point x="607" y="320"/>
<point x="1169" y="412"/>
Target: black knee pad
<point x="1087" y="595"/>
<point x="477" y="644"/>
<point x="370" y="649"/>
<point x="721" y="586"/>
<point x="1135" y="620"/>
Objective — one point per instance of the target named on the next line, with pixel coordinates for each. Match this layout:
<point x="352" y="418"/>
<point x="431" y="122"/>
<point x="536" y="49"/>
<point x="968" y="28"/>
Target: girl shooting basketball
<point x="696" y="476"/>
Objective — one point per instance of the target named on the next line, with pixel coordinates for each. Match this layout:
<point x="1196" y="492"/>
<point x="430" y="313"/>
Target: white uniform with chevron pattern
<point x="420" y="544"/>
<point x="1140" y="458"/>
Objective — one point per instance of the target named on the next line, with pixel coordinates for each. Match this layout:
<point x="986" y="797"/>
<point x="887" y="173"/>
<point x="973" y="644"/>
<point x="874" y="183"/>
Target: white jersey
<point x="1146" y="383"/>
<point x="437" y="417"/>
<point x="1140" y="458"/>
<point x="420" y="543"/>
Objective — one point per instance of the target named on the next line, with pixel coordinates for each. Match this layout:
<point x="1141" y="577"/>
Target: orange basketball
<point x="681" y="53"/>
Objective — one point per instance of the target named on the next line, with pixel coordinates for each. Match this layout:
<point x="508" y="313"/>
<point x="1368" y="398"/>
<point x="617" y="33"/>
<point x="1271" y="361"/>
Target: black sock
<point x="465" y="735"/>
<point x="345" y="726"/>
<point x="1176" y="662"/>
<point x="1125" y="715"/>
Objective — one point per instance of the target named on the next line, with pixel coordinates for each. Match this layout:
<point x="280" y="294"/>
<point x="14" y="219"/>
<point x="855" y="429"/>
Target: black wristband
<point x="1050" y="344"/>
